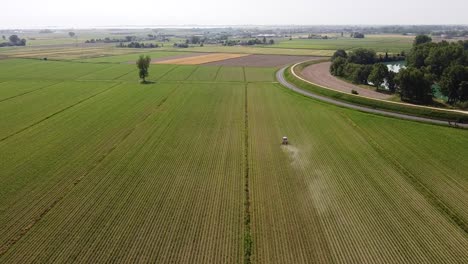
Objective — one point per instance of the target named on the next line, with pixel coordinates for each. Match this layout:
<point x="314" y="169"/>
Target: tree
<point x="337" y="67"/>
<point x="71" y="34"/>
<point x="194" y="39"/>
<point x="340" y="54"/>
<point x="271" y="42"/>
<point x="357" y="73"/>
<point x="362" y="56"/>
<point x="264" y="40"/>
<point x="143" y="64"/>
<point x="451" y="83"/>
<point x="463" y="91"/>
<point x="414" y="86"/>
<point x="421" y="39"/>
<point x="391" y="81"/>
<point x="14" y="39"/>
<point x="3" y="37"/>
<point x="378" y="74"/>
<point x="441" y="56"/>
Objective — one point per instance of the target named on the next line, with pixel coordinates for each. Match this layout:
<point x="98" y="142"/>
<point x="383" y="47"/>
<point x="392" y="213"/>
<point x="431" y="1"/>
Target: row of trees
<point x="13" y="40"/>
<point x="249" y="42"/>
<point x="138" y="45"/>
<point x="356" y="35"/>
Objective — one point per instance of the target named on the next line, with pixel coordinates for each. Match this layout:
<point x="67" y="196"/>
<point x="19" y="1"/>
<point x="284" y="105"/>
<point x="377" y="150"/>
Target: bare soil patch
<point x="180" y="56"/>
<point x="263" y="60"/>
<point x="320" y="74"/>
<point x="201" y="58"/>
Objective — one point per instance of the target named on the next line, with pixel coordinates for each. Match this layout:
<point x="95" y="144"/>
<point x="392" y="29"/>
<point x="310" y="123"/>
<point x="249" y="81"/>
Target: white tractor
<point x="285" y="141"/>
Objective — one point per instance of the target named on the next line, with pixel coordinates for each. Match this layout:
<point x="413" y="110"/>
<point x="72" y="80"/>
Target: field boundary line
<point x="58" y="112"/>
<point x="429" y="196"/>
<point x="18" y="95"/>
<point x="248" y="243"/>
<point x="5" y="247"/>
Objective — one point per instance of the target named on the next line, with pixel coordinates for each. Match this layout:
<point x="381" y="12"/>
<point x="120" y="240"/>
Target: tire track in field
<point x="18" y="95"/>
<point x="58" y="112"/>
<point x="217" y="72"/>
<point x="243" y="72"/>
<point x="166" y="73"/>
<point x="425" y="191"/>
<point x="190" y="75"/>
<point x="5" y="247"/>
<point x="248" y="243"/>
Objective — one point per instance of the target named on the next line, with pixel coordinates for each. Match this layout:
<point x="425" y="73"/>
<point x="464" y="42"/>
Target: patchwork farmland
<point x="97" y="168"/>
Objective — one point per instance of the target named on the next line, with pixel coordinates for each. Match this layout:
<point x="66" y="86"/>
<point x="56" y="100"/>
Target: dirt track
<point x="263" y="60"/>
<point x="320" y="74"/>
<point x="282" y="80"/>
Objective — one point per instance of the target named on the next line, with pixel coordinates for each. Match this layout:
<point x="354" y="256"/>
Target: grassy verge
<point x="416" y="111"/>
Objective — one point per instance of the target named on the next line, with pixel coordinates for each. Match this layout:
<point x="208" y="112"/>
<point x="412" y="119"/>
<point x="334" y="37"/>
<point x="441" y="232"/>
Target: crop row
<point x="169" y="188"/>
<point x="330" y="196"/>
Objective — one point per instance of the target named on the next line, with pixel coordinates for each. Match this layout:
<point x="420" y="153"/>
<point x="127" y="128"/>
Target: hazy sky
<point x="88" y="13"/>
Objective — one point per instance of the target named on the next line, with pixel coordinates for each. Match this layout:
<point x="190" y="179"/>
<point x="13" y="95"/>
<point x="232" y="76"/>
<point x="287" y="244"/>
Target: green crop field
<point x="97" y="168"/>
<point x="380" y="43"/>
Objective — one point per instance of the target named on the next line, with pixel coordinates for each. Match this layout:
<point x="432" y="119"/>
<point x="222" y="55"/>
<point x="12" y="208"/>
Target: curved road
<point x="319" y="73"/>
<point x="282" y="80"/>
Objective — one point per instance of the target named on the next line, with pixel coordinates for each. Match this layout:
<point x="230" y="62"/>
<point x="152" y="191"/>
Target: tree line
<point x="362" y="66"/>
<point x="13" y="40"/>
<point x="444" y="64"/>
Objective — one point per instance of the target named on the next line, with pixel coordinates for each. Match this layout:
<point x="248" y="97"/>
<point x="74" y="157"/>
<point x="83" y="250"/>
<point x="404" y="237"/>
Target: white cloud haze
<point x="90" y="13"/>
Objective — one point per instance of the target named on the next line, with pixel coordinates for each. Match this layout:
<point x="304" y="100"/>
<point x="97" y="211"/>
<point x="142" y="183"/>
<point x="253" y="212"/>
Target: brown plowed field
<point x="263" y="60"/>
<point x="320" y="74"/>
<point x="200" y="59"/>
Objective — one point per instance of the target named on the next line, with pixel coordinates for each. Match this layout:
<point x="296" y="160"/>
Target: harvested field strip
<point x="45" y="103"/>
<point x="189" y="204"/>
<point x="46" y="53"/>
<point x="202" y="59"/>
<point x="317" y="199"/>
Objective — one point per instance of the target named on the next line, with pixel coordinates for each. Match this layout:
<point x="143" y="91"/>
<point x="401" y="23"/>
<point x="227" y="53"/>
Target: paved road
<point x="282" y="80"/>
